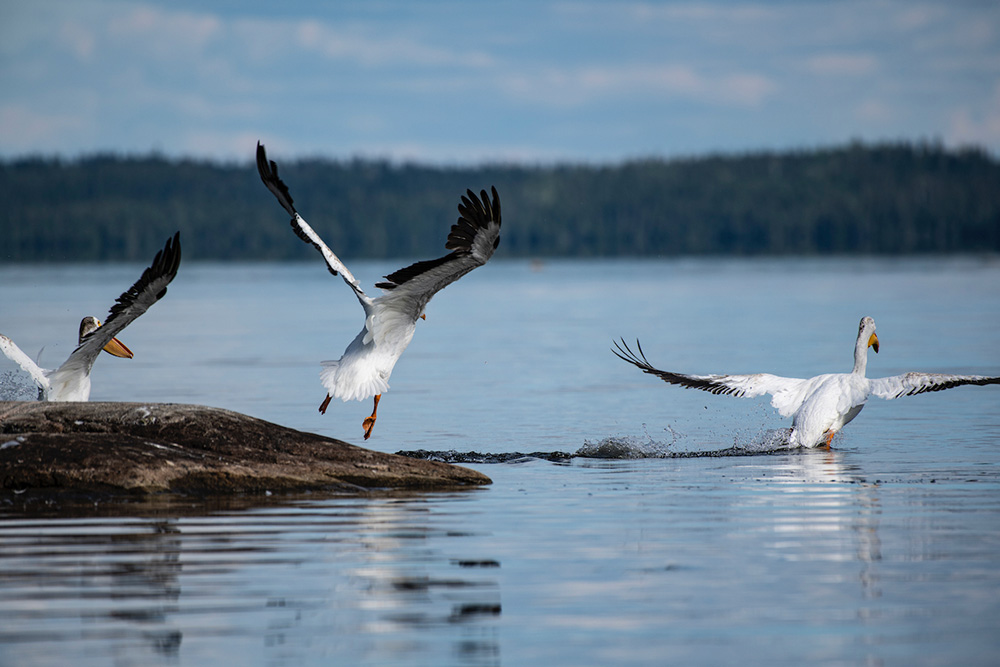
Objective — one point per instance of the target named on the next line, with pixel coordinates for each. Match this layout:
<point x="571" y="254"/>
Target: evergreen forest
<point x="889" y="199"/>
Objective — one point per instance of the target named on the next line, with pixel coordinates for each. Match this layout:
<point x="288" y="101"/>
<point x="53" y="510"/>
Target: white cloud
<point x="585" y="85"/>
<point x="917" y="16"/>
<point x="161" y="33"/>
<point x="969" y="128"/>
<point x="230" y="145"/>
<point x="841" y="64"/>
<point x="79" y="39"/>
<point x="873" y="111"/>
<point x="25" y="130"/>
<point x="364" y="45"/>
<point x="458" y="153"/>
<point x="697" y="12"/>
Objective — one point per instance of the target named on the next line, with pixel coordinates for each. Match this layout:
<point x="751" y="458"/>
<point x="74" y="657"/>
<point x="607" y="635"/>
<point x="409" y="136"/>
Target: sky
<point x="453" y="82"/>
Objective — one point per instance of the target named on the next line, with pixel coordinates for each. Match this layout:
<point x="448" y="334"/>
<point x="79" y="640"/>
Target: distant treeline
<point x="865" y="199"/>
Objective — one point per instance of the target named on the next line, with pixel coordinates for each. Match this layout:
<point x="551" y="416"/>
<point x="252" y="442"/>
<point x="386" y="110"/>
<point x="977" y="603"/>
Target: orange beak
<point x="118" y="349"/>
<point x="873" y="342"/>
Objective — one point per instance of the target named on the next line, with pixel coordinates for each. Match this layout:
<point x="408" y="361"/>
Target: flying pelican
<point x="390" y="319"/>
<point x="819" y="406"/>
<point x="71" y="381"/>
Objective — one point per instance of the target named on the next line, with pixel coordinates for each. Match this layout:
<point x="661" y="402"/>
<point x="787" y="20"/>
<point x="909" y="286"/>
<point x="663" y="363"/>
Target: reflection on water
<point x="364" y="578"/>
<point x="802" y="556"/>
<point x="84" y="581"/>
<point x="881" y="551"/>
<point x="843" y="520"/>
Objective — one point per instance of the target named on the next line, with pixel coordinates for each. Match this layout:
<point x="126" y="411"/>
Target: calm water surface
<point x="884" y="550"/>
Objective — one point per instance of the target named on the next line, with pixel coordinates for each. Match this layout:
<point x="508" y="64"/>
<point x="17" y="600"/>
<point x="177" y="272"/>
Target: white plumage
<point x="819" y="406"/>
<point x="71" y="381"/>
<point x="390" y="319"/>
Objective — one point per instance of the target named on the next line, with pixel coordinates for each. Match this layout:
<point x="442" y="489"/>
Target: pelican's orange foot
<point x="829" y="438"/>
<point x="369" y="423"/>
<point x="324" y="404"/>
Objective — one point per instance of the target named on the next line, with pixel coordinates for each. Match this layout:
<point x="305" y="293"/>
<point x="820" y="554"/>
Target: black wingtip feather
<point x="164" y="264"/>
<point x="625" y="353"/>
<point x="397" y="278"/>
<point x="476" y="213"/>
<point x="981" y="382"/>
<point x="268" y="171"/>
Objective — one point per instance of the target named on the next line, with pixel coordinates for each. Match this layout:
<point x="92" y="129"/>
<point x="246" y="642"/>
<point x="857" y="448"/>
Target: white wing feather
<point x="909" y="384"/>
<point x="787" y="394"/>
<point x="15" y="354"/>
<point x="268" y="171"/>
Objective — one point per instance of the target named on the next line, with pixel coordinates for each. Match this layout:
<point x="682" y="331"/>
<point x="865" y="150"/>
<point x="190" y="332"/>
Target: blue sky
<point x="464" y="82"/>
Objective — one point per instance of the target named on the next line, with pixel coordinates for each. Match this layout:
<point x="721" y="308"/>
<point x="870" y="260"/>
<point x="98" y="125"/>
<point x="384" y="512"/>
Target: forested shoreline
<point x="889" y="199"/>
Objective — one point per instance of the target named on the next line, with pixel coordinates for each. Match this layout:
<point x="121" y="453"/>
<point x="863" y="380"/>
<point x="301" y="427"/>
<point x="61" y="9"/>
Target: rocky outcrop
<point x="147" y="448"/>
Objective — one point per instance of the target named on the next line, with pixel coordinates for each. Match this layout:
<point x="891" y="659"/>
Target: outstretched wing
<point x="14" y="353"/>
<point x="147" y="290"/>
<point x="472" y="240"/>
<point x="909" y="384"/>
<point x="787" y="393"/>
<point x="268" y="171"/>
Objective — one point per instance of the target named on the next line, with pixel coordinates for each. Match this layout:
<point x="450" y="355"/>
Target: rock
<point x="115" y="449"/>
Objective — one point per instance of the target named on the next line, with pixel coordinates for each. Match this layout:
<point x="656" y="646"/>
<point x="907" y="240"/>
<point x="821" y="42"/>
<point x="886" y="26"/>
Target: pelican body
<point x="390" y="319"/>
<point x="819" y="406"/>
<point x="71" y="381"/>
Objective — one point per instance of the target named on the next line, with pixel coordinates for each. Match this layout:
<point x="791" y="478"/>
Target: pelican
<point x="390" y="319"/>
<point x="71" y="381"/>
<point x="819" y="406"/>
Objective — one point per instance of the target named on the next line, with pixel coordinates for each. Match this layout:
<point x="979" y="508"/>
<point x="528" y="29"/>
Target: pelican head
<point x="866" y="339"/>
<point x="867" y="327"/>
<point x="115" y="347"/>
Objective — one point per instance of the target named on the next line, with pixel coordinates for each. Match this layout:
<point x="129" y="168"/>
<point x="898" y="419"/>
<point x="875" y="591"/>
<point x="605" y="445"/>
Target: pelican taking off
<point x="819" y="406"/>
<point x="390" y="319"/>
<point x="71" y="381"/>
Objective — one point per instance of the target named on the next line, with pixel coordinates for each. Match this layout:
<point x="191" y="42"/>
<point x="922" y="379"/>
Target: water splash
<point x="768" y="440"/>
<point x="624" y="447"/>
<point x="16" y="386"/>
<point x="771" y="441"/>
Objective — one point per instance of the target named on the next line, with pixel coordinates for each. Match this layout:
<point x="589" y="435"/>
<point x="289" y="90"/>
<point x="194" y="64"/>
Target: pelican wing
<point x="472" y="240"/>
<point x="787" y="393"/>
<point x="147" y="290"/>
<point x="909" y="384"/>
<point x="14" y="353"/>
<point x="268" y="171"/>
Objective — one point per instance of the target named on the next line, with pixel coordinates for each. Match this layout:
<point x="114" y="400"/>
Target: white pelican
<point x="819" y="406"/>
<point x="390" y="319"/>
<point x="71" y="381"/>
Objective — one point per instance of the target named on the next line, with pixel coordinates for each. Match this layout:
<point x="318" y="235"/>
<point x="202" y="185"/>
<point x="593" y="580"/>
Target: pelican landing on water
<point x="390" y="319"/>
<point x="819" y="406"/>
<point x="71" y="381"/>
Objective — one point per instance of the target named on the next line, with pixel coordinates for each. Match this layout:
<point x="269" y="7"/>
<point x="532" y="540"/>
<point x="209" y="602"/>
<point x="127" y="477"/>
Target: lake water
<point x="883" y="551"/>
